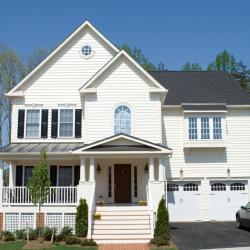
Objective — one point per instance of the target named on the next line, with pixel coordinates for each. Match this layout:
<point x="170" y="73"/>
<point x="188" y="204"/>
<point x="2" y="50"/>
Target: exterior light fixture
<point x="181" y="174"/>
<point x="146" y="168"/>
<point x="228" y="173"/>
<point x="98" y="168"/>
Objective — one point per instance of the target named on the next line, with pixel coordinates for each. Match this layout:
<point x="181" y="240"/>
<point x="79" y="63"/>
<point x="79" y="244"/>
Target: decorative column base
<point x="156" y="192"/>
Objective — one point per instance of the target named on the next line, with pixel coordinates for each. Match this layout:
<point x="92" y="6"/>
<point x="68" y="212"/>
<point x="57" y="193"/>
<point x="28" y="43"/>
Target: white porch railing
<point x="21" y="195"/>
<point x="151" y="211"/>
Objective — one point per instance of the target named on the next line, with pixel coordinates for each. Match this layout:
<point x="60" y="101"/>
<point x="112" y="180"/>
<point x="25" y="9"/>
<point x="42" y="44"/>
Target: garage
<point x="226" y="197"/>
<point x="184" y="201"/>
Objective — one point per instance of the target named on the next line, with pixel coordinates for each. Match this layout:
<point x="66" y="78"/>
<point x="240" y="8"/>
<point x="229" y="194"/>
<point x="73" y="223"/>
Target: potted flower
<point x="142" y="203"/>
<point x="100" y="202"/>
<point x="97" y="216"/>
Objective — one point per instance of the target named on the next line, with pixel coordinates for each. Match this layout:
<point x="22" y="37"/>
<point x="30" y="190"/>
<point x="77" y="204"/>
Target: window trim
<point x="58" y="121"/>
<point x="25" y="123"/>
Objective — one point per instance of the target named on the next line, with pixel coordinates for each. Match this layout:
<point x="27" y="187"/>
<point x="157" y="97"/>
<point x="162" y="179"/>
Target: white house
<point x="115" y="132"/>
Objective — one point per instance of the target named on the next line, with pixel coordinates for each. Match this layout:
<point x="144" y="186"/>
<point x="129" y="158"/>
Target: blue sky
<point x="172" y="32"/>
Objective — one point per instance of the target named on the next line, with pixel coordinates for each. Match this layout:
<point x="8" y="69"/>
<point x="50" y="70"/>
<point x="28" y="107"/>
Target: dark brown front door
<point x="122" y="183"/>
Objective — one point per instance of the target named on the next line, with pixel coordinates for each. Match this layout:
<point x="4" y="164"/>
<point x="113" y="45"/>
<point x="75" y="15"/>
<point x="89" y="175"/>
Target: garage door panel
<point x="226" y="197"/>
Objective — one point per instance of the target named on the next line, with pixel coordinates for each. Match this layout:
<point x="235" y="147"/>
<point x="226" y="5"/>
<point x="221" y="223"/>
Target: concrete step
<point x="120" y="237"/>
<point x="120" y="241"/>
<point x="121" y="222"/>
<point x="124" y="217"/>
<point x="118" y="226"/>
<point x="120" y="231"/>
<point x="122" y="208"/>
<point x="119" y="212"/>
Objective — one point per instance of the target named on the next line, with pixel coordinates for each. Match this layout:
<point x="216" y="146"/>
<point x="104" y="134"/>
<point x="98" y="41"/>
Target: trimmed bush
<point x="88" y="242"/>
<point x="19" y="234"/>
<point x="82" y="218"/>
<point x="47" y="233"/>
<point x="8" y="236"/>
<point x="66" y="231"/>
<point x="72" y="240"/>
<point x="162" y="228"/>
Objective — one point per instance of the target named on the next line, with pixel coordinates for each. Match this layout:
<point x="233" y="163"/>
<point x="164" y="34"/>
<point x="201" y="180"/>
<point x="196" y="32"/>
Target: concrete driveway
<point x="209" y="235"/>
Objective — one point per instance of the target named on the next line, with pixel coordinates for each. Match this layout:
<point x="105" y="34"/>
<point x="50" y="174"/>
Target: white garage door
<point x="184" y="201"/>
<point x="226" y="197"/>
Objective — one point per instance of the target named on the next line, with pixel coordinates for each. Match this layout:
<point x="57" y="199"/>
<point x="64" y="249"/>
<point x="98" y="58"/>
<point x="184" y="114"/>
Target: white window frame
<point x="25" y="123"/>
<point x="114" y="123"/>
<point x="59" y="123"/>
<point x="211" y="127"/>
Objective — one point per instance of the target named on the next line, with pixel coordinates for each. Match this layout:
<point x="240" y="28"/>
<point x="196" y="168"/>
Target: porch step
<point x="122" y="224"/>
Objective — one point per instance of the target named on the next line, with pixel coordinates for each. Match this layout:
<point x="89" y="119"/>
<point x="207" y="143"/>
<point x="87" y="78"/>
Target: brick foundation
<point x="1" y="222"/>
<point x="41" y="220"/>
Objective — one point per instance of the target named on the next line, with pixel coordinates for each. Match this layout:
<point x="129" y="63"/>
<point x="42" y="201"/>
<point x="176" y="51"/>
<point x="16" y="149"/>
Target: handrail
<point x="21" y="195"/>
<point x="91" y="212"/>
<point x="150" y="210"/>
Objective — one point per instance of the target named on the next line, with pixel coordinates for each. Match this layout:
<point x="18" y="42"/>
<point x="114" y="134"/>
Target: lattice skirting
<point x="15" y="221"/>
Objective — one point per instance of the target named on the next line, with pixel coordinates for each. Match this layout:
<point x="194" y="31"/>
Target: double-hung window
<point x="205" y="132"/>
<point x="192" y="131"/>
<point x="33" y="123"/>
<point x="217" y="128"/>
<point x="66" y="123"/>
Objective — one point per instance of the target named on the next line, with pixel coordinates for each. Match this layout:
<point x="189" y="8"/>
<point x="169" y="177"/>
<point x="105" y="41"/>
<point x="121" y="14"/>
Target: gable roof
<point x="201" y="87"/>
<point x="122" y="53"/>
<point x="86" y="24"/>
<point x="141" y="144"/>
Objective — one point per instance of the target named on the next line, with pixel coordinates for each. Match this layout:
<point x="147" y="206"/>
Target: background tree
<point x="82" y="218"/>
<point x="191" y="67"/>
<point x="39" y="184"/>
<point x="35" y="58"/>
<point x="162" y="228"/>
<point x="225" y="61"/>
<point x="139" y="57"/>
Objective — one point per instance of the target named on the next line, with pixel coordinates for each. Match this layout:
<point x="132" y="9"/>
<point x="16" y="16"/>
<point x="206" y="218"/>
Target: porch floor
<point x="123" y="247"/>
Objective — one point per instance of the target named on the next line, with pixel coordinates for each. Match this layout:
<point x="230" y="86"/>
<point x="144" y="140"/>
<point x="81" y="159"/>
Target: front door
<point x="122" y="183"/>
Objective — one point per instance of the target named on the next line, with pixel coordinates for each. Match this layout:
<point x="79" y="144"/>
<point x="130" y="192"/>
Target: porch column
<point x="92" y="170"/>
<point x="11" y="182"/>
<point x="161" y="169"/>
<point x="151" y="169"/>
<point x="83" y="170"/>
<point x="1" y="173"/>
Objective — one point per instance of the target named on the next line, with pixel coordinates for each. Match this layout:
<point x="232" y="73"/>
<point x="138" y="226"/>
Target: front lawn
<point x="19" y="246"/>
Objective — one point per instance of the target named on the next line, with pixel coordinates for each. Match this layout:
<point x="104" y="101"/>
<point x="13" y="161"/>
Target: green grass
<point x="19" y="245"/>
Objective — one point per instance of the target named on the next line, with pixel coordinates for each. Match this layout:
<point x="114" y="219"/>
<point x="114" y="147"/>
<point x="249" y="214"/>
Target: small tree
<point x="82" y="218"/>
<point x="39" y="184"/>
<point x="162" y="228"/>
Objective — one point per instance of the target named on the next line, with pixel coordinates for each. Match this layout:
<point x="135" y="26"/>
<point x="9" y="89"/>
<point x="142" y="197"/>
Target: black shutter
<point x="53" y="175"/>
<point x="19" y="176"/>
<point x="20" y="129"/>
<point x="44" y="125"/>
<point x="76" y="175"/>
<point x="78" y="123"/>
<point x="54" y="125"/>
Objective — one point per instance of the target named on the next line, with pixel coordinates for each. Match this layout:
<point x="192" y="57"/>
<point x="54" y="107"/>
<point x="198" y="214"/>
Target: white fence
<point x="21" y="195"/>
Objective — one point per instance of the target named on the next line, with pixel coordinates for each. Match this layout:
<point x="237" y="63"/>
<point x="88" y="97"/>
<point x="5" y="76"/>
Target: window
<point x="204" y="128"/>
<point x="65" y="176"/>
<point x="33" y="123"/>
<point x="237" y="186"/>
<point x="86" y="50"/>
<point x="192" y="121"/>
<point x="27" y="174"/>
<point x="66" y="123"/>
<point x="190" y="187"/>
<point x="217" y="128"/>
<point x="172" y="187"/>
<point x="122" y="120"/>
<point x="205" y="133"/>
<point x="218" y="187"/>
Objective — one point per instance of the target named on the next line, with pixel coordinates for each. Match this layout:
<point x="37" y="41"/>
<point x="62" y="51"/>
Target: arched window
<point x="122" y="120"/>
<point x="237" y="186"/>
<point x="218" y="187"/>
<point x="190" y="187"/>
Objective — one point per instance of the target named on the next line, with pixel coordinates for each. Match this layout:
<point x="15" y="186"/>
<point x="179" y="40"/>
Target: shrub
<point x="8" y="236"/>
<point x="72" y="240"/>
<point x="33" y="234"/>
<point x="88" y="242"/>
<point x="47" y="233"/>
<point x="82" y="218"/>
<point x="162" y="228"/>
<point x="66" y="231"/>
<point x="19" y="234"/>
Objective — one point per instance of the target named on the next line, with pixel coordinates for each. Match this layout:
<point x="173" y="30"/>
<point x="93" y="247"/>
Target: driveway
<point x="209" y="235"/>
